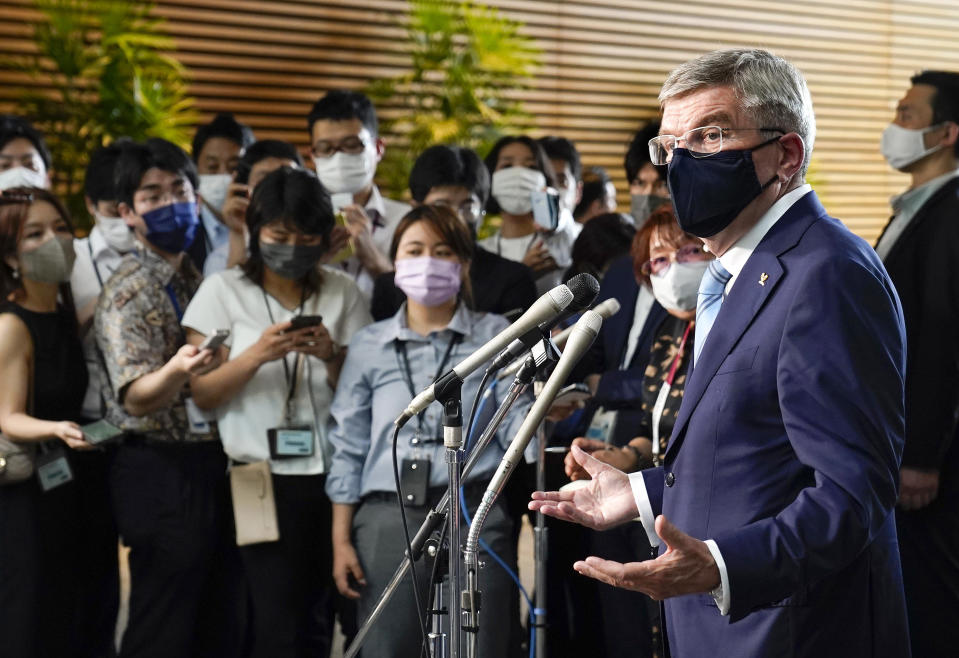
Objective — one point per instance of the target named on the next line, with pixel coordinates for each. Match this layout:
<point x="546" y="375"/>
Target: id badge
<point x="53" y="469"/>
<point x="415" y="481"/>
<point x="290" y="442"/>
<point x="199" y="419"/>
<point x="601" y="426"/>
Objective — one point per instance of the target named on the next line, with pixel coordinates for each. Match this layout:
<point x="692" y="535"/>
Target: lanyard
<point x="93" y="261"/>
<point x="290" y="377"/>
<point x="176" y="305"/>
<point x="404" y="362"/>
<point x="664" y="391"/>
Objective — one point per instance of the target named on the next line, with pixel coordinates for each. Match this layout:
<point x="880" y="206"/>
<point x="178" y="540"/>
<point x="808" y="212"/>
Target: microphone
<point x="580" y="338"/>
<point x="606" y="310"/>
<point x="584" y="287"/>
<point x="548" y="306"/>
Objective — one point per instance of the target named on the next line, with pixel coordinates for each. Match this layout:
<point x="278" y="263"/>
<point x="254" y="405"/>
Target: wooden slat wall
<point x="603" y="63"/>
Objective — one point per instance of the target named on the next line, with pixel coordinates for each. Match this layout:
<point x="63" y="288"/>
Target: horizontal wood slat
<point x="603" y="62"/>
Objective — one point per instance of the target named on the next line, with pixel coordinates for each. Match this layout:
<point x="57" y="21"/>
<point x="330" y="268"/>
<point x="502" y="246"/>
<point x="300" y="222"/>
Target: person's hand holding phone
<point x="538" y="258"/>
<point x="234" y="208"/>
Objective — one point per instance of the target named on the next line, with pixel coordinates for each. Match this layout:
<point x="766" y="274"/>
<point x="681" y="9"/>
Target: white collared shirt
<point x="734" y="260"/>
<point x="905" y="206"/>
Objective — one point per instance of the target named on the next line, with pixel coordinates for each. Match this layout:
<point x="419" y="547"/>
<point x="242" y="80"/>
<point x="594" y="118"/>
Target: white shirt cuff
<point x="638" y="485"/>
<point x="720" y="594"/>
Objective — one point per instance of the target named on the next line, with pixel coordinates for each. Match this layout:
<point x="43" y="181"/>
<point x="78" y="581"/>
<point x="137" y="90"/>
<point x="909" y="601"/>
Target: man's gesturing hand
<point x="606" y="502"/>
<point x="687" y="567"/>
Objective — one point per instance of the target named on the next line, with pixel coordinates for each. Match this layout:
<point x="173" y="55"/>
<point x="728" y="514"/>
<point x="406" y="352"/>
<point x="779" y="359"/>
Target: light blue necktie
<point x="711" y="292"/>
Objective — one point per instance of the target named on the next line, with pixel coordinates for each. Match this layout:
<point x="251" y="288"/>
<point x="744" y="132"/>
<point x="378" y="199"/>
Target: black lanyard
<point x="404" y="362"/>
<point x="291" y="379"/>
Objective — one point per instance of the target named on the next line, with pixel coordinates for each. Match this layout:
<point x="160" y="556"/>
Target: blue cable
<point x="489" y="551"/>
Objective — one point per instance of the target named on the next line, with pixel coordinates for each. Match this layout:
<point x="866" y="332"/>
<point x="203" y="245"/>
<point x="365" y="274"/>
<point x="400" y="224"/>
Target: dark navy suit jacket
<point x="786" y="452"/>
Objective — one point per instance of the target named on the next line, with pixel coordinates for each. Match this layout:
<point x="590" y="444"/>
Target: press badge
<point x="53" y="469"/>
<point x="601" y="425"/>
<point x="290" y="442"/>
<point x="199" y="420"/>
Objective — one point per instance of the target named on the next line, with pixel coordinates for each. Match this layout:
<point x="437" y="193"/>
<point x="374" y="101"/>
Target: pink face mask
<point x="429" y="281"/>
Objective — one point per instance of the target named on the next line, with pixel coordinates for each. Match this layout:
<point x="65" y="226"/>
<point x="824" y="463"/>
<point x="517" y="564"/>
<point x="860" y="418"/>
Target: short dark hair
<point x="603" y="239"/>
<point x="296" y="198"/>
<point x="637" y="154"/>
<point x="594" y="188"/>
<point x="263" y="149"/>
<point x="99" y="183"/>
<point x="226" y="126"/>
<point x="542" y="163"/>
<point x="443" y="165"/>
<point x="13" y="127"/>
<point x="945" y="102"/>
<point x="341" y="105"/>
<point x="136" y="159"/>
<point x="560" y="148"/>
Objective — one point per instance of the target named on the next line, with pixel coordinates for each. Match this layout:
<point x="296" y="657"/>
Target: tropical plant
<point x="102" y="70"/>
<point x="467" y="60"/>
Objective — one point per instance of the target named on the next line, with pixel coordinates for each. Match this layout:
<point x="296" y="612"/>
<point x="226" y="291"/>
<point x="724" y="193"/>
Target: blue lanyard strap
<point x="176" y="305"/>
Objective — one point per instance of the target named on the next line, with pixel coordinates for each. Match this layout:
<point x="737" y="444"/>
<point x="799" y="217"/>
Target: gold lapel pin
<point x="762" y="278"/>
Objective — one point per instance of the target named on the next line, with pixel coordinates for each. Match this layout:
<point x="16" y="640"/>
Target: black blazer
<point x="924" y="266"/>
<point x="499" y="286"/>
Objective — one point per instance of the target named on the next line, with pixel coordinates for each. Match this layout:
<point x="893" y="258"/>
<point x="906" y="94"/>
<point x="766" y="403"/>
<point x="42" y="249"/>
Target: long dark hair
<point x="447" y="223"/>
<point x="14" y="208"/>
<point x="297" y="199"/>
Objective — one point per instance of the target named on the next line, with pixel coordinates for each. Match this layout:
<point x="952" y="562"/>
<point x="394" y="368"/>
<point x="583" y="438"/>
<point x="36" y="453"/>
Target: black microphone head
<point x="585" y="288"/>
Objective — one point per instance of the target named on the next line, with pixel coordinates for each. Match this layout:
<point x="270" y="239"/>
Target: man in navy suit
<point x="774" y="506"/>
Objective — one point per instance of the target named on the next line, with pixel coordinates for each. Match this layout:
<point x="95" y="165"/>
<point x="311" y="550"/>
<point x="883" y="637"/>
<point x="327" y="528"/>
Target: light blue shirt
<point x="372" y="391"/>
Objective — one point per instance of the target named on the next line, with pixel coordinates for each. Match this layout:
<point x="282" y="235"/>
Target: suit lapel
<point x="949" y="188"/>
<point x="756" y="282"/>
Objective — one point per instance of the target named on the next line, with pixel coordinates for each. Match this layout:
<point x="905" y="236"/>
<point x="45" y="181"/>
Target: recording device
<point x="548" y="306"/>
<point x="546" y="208"/>
<point x="214" y="340"/>
<point x="584" y="287"/>
<point x="304" y="321"/>
<point x="583" y="334"/>
<point x="572" y="394"/>
<point x="606" y="310"/>
<point x="242" y="174"/>
<point x="100" y="432"/>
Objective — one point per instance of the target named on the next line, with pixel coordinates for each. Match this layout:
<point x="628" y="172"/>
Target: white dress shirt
<point x="734" y="260"/>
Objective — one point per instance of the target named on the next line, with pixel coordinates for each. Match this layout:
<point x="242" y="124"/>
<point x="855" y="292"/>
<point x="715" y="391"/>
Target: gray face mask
<point x="51" y="262"/>
<point x="291" y="261"/>
<point x="642" y="206"/>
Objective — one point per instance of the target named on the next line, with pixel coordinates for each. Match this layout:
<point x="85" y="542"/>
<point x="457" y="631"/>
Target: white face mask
<point x="513" y="186"/>
<point x="213" y="188"/>
<point x="346" y="172"/>
<point x="22" y="177"/>
<point x="677" y="288"/>
<point x="903" y="146"/>
<point x="115" y="232"/>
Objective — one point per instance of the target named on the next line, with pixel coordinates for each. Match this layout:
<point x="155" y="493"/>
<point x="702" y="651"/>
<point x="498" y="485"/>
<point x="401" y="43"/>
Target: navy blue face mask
<point x="709" y="193"/>
<point x="172" y="227"/>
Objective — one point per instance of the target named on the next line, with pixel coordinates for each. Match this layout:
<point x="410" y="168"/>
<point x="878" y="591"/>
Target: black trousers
<point x="59" y="584"/>
<point x="172" y="509"/>
<point x="290" y="580"/>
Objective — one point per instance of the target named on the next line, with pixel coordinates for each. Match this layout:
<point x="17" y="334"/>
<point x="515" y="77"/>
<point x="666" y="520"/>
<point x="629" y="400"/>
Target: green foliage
<point x="103" y="70"/>
<point x="465" y="61"/>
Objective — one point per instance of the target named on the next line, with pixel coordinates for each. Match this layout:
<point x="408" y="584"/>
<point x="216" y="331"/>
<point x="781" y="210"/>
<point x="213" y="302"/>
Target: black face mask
<point x="291" y="261"/>
<point x="709" y="193"/>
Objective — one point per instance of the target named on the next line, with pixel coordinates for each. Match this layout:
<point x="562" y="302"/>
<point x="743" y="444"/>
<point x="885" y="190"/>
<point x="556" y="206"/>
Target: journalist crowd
<point x="755" y="457"/>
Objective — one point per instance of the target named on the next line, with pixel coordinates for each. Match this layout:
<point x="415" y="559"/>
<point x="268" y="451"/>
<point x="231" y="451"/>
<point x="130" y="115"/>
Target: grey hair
<point x="772" y="92"/>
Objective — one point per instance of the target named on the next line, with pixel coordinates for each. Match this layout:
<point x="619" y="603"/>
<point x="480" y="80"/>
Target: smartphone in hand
<point x="214" y="340"/>
<point x="303" y="321"/>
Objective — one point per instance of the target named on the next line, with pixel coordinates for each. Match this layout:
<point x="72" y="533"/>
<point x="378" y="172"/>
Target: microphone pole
<point x="583" y="334"/>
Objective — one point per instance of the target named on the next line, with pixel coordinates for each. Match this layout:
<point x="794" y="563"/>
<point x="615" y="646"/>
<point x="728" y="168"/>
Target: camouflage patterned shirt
<point x="137" y="325"/>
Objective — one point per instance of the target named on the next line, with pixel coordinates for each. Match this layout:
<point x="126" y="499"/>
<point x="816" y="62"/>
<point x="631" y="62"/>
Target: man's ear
<point x="380" y="148"/>
<point x="126" y="212"/>
<point x="792" y="155"/>
<point x="952" y="133"/>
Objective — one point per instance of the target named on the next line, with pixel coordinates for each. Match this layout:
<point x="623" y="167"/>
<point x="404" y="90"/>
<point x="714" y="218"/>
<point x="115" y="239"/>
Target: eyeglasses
<point x="660" y="264"/>
<point x="351" y="145"/>
<point x="700" y="142"/>
<point x="470" y="211"/>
